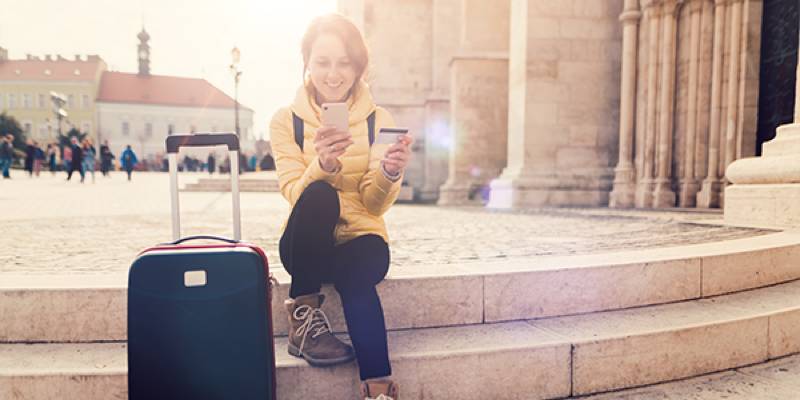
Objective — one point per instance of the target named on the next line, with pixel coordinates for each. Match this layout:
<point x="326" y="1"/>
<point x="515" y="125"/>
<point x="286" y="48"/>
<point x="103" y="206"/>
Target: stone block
<point x="547" y="92"/>
<point x="546" y="70"/>
<point x="543" y="28"/>
<point x="542" y="113"/>
<point x="742" y="270"/>
<point x="582" y="28"/>
<point x="421" y="301"/>
<point x="549" y="49"/>
<point x="550" y="291"/>
<point x="35" y="308"/>
<point x="583" y="136"/>
<point x="587" y="8"/>
<point x="784" y="333"/>
<point x="581" y="71"/>
<point x="658" y="344"/>
<point x="785" y="371"/>
<point x="586" y="50"/>
<point x="549" y="8"/>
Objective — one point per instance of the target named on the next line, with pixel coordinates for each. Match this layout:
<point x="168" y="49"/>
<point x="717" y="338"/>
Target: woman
<point x="339" y="187"/>
<point x="88" y="158"/>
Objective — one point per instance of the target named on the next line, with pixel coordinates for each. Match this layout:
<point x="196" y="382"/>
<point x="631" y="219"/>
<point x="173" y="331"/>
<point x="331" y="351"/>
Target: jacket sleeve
<point x="378" y="193"/>
<point x="294" y="175"/>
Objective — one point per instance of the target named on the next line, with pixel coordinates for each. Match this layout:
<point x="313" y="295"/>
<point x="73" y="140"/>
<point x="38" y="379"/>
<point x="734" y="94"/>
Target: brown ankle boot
<point x="379" y="389"/>
<point x="310" y="335"/>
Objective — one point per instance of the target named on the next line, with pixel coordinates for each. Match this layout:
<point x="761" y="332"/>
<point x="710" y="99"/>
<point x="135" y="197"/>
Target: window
<point x="26" y="101"/>
<point x="86" y="127"/>
<point x="170" y="129"/>
<point x="27" y="127"/>
<point x="12" y="100"/>
<point x="43" y="131"/>
<point x="1" y="100"/>
<point x="40" y="101"/>
<point x="70" y="101"/>
<point x="126" y="128"/>
<point x="213" y="129"/>
<point x="148" y="129"/>
<point x="85" y="101"/>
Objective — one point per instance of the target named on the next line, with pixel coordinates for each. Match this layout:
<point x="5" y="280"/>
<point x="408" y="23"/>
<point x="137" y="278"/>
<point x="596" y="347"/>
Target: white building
<point x="141" y="109"/>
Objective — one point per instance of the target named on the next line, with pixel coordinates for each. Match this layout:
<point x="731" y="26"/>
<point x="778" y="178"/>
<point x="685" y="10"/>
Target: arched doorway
<point x="779" y="40"/>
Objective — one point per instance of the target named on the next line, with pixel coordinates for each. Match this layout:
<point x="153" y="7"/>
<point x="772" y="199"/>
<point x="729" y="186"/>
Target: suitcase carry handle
<point x="207" y="237"/>
<point x="174" y="143"/>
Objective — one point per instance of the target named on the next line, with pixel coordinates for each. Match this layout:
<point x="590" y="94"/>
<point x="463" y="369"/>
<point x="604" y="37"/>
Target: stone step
<point x="546" y="358"/>
<point x="80" y="308"/>
<point x="224" y="185"/>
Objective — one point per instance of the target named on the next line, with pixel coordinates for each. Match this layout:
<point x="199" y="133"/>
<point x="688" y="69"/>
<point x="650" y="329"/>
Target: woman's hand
<point x="396" y="157"/>
<point x="330" y="146"/>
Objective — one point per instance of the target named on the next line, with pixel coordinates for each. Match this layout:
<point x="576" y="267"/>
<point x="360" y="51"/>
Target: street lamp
<point x="235" y="55"/>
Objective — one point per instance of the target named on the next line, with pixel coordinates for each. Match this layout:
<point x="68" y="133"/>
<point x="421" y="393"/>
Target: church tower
<point x="144" y="54"/>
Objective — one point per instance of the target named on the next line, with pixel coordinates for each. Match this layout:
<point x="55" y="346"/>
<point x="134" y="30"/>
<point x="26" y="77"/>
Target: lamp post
<point x="235" y="55"/>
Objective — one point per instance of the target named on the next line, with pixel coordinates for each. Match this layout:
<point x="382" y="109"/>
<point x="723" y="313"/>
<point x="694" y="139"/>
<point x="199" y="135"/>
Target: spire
<point x="144" y="52"/>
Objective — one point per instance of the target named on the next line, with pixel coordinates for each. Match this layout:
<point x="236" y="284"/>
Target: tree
<point x="9" y="125"/>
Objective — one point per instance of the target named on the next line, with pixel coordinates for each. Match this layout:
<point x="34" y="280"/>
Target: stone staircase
<point x="547" y="328"/>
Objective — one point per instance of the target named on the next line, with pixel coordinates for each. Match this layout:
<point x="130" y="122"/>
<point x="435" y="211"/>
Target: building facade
<point x="627" y="103"/>
<point x="142" y="109"/>
<point x="26" y="85"/>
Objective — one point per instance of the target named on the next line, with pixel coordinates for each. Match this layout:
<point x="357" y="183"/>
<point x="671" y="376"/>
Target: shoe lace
<point x="380" y="397"/>
<point x="314" y="321"/>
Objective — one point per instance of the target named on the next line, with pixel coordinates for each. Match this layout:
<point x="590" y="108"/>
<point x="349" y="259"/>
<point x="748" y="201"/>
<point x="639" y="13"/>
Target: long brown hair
<point x="346" y="30"/>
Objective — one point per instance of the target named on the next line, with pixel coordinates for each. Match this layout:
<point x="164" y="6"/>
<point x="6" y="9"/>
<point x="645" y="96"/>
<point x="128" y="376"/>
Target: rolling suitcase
<point x="199" y="323"/>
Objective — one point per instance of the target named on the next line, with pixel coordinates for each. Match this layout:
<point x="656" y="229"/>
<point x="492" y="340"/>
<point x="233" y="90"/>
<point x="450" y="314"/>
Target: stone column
<point x="624" y="190"/>
<point x="689" y="184"/>
<point x="478" y="103"/>
<point x="766" y="190"/>
<point x="663" y="196"/>
<point x="733" y="88"/>
<point x="644" y="187"/>
<point x="709" y="194"/>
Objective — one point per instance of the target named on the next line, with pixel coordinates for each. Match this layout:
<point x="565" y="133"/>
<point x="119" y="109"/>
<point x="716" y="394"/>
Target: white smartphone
<point x="390" y="135"/>
<point x="336" y="114"/>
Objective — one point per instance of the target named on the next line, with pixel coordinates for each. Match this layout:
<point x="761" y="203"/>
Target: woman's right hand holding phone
<point x="330" y="146"/>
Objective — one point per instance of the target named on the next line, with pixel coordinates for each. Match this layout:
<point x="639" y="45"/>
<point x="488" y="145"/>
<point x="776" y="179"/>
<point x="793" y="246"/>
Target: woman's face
<point x="332" y="72"/>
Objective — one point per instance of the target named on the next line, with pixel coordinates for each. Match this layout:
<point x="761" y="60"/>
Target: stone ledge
<point x="554" y="357"/>
<point x="42" y="308"/>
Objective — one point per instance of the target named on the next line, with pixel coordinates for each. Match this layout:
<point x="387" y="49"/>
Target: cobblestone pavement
<point x="49" y="226"/>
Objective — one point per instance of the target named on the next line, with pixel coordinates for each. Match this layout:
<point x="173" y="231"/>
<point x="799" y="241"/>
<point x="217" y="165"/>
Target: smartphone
<point x="390" y="135"/>
<point x="336" y="114"/>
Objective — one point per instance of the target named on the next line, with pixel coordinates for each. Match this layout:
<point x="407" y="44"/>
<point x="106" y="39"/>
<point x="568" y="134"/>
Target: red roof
<point x="121" y="87"/>
<point x="59" y="69"/>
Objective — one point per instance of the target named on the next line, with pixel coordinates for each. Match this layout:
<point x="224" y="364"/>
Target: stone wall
<point x="564" y="95"/>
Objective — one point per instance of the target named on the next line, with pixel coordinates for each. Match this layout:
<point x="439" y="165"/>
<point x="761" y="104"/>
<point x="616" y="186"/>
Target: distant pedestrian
<point x="76" y="159"/>
<point x="39" y="158"/>
<point x="6" y="154"/>
<point x="52" y="157"/>
<point x="129" y="161"/>
<point x="212" y="163"/>
<point x="67" y="160"/>
<point x="105" y="159"/>
<point x="30" y="152"/>
<point x="88" y="158"/>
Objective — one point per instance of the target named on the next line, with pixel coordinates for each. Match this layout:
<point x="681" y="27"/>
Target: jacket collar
<point x="360" y="104"/>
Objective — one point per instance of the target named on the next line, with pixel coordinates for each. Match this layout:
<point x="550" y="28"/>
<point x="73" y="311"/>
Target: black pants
<point x="310" y="254"/>
<point x="74" y="167"/>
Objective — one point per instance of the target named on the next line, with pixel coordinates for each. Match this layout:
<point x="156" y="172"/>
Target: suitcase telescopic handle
<point x="174" y="143"/>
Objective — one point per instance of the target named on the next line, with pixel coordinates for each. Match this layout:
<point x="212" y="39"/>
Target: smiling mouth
<point x="334" y="86"/>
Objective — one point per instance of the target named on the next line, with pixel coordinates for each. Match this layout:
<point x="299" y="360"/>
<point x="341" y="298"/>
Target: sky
<point x="188" y="38"/>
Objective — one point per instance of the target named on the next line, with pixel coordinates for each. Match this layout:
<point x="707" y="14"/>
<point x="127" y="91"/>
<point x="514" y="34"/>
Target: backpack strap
<point x="371" y="127"/>
<point x="299" y="127"/>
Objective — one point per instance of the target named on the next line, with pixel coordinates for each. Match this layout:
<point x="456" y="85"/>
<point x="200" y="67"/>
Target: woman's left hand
<point x="396" y="157"/>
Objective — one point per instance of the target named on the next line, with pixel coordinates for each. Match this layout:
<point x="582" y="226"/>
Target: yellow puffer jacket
<point x="365" y="193"/>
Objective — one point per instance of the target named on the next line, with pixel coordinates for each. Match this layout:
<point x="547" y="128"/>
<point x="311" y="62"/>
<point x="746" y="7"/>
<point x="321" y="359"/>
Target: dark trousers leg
<point x="310" y="255"/>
